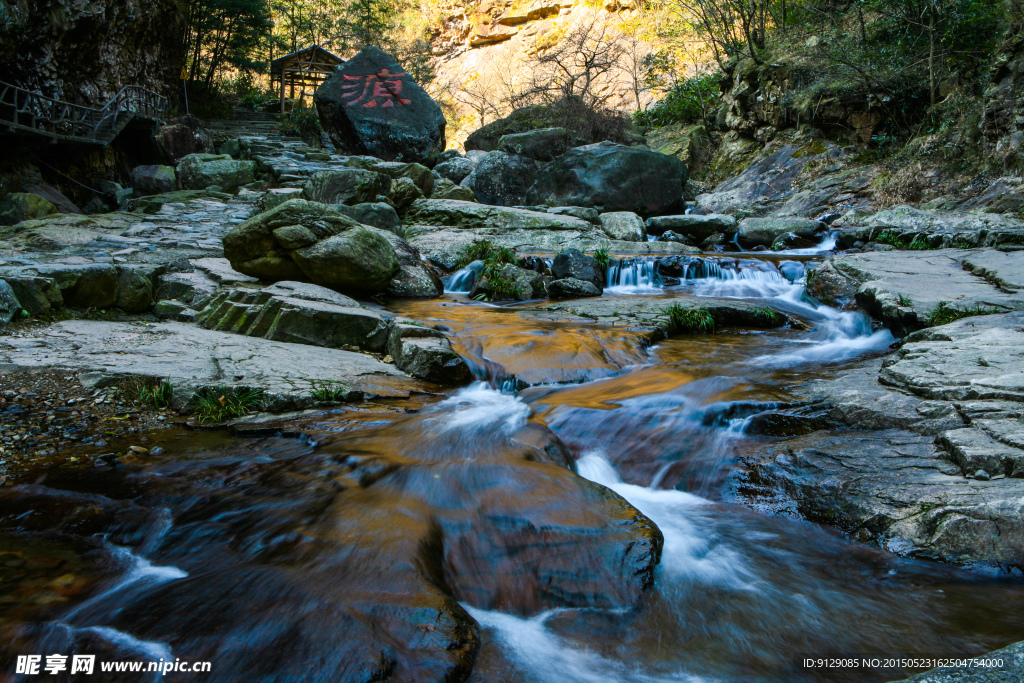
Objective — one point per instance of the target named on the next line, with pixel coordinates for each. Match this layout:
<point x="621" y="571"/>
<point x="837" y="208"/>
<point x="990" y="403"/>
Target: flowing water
<point x="282" y="557"/>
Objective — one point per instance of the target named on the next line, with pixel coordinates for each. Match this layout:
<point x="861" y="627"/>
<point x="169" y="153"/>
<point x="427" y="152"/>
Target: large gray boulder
<point x="346" y="186"/>
<point x="370" y="105"/>
<point x="302" y="240"/>
<point x="455" y="169"/>
<point x="624" y="225"/>
<point x="199" y="171"/>
<point x="153" y="179"/>
<point x="415" y="278"/>
<point x="573" y="263"/>
<point x="613" y="178"/>
<point x="572" y="288"/>
<point x="502" y="179"/>
<point x="542" y="144"/>
<point x="425" y="353"/>
<point x="696" y="227"/>
<point x="765" y="231"/>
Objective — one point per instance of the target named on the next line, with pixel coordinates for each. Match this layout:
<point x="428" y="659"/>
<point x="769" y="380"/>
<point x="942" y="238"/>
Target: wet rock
<point x="510" y="283"/>
<point x="134" y="290"/>
<point x="415" y="278"/>
<point x="374" y="214"/>
<point x="346" y="186"/>
<point x="446" y="189"/>
<point x="694" y="226"/>
<point x="297" y="313"/>
<point x="612" y="177"/>
<point x="573" y="263"/>
<point x="792" y="270"/>
<point x="572" y="288"/>
<point x="36" y="294"/>
<point x="830" y="287"/>
<point x="201" y="171"/>
<point x="426" y="353"/>
<point x="370" y="105"/>
<point x="455" y="169"/>
<point x="541" y="144"/>
<point x="10" y="307"/>
<point x="669" y="236"/>
<point x="182" y="136"/>
<point x="21" y="206"/>
<point x="624" y="225"/>
<point x="84" y="286"/>
<point x="502" y="179"/>
<point x="151" y="180"/>
<point x="766" y="231"/>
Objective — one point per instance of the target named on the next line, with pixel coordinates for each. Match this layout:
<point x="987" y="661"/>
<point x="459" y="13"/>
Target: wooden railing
<point x="24" y="110"/>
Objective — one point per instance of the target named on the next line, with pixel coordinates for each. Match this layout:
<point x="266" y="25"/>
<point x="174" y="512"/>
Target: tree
<point x="575" y="66"/>
<point x="221" y="34"/>
<point x="365" y="22"/>
<point x="730" y="26"/>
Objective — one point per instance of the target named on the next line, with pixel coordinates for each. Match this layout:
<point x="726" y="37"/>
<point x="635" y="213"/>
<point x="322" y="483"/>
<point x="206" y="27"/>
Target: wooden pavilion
<point x="309" y="66"/>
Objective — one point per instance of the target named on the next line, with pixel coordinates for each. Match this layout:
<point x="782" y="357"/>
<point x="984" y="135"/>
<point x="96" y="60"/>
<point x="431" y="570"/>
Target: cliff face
<point x="84" y="51"/>
<point x="484" y="49"/>
<point x="1002" y="123"/>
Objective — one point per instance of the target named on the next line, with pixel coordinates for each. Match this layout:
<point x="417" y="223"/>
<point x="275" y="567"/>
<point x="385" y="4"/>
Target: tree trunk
<point x="931" y="52"/>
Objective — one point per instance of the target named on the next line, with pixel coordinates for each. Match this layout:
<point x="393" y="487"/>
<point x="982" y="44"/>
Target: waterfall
<point x="632" y="276"/>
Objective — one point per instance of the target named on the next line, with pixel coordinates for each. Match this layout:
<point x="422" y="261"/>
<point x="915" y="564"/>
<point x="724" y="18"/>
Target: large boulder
<point x="446" y="189"/>
<point x="415" y="278"/>
<point x="765" y="231"/>
<point x="573" y="263"/>
<point x="542" y="144"/>
<point x="374" y="214"/>
<point x="153" y="179"/>
<point x="302" y="240"/>
<point x="613" y="178"/>
<point x="502" y="179"/>
<point x="572" y="288"/>
<point x="371" y="106"/>
<point x="22" y="206"/>
<point x="346" y="186"/>
<point x="624" y="225"/>
<point x="182" y="136"/>
<point x="455" y="169"/>
<point x="10" y="307"/>
<point x="199" y="171"/>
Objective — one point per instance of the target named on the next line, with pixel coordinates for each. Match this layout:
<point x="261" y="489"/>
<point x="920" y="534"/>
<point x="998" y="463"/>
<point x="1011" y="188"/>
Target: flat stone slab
<point x="190" y="358"/>
<point x="651" y="312"/>
<point x="904" y="288"/>
<point x="430" y="239"/>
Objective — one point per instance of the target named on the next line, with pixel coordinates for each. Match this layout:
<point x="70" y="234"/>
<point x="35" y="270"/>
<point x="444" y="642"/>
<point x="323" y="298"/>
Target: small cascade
<point x="461" y="281"/>
<point x="632" y="276"/>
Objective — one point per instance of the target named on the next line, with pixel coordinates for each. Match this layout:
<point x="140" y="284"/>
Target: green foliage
<point x="366" y="22"/>
<point x="904" y="301"/>
<point x="683" y="320"/>
<point x="602" y="257"/>
<point x="157" y="395"/>
<point x="768" y="316"/>
<point x="944" y="314"/>
<point x="223" y="35"/>
<point x="212" y="405"/>
<point x="302" y="122"/>
<point x="330" y="391"/>
<point x="502" y="286"/>
<point x="486" y="251"/>
<point x="689" y="101"/>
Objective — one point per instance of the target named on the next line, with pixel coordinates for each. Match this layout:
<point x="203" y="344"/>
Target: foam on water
<point x="479" y="409"/>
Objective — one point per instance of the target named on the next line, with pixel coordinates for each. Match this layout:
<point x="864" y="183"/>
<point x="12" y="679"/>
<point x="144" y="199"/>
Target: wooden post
<point x="282" y="88"/>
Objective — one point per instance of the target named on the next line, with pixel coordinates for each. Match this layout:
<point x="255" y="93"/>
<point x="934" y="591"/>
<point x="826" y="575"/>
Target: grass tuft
<point x="212" y="405"/>
<point x="157" y="395"/>
<point x="330" y="391"/>
<point x="602" y="257"/>
<point x="683" y="320"/>
<point x="768" y="316"/>
<point x="943" y="314"/>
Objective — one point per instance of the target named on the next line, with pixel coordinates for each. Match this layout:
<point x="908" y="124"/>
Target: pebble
<point x="982" y="475"/>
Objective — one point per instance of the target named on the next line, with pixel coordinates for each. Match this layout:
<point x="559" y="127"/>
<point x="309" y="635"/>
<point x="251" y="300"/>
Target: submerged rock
<point x="370" y="105"/>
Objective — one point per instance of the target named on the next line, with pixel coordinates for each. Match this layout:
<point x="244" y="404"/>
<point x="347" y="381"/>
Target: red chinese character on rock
<point x="367" y="90"/>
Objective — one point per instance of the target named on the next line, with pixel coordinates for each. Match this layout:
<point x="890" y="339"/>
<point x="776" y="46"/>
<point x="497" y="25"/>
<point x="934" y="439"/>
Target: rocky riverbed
<point x="506" y="441"/>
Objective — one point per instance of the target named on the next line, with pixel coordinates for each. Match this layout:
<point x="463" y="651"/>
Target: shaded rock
<point x="346" y="186"/>
<point x="830" y="287"/>
<point x="613" y="178"/>
<point x="200" y="171"/>
<point x="624" y="225"/>
<point x="174" y="310"/>
<point x="572" y="263"/>
<point x="446" y="189"/>
<point x="418" y="173"/>
<point x="22" y="206"/>
<point x="695" y="226"/>
<point x="689" y="144"/>
<point x="277" y="196"/>
<point x="426" y="353"/>
<point x="589" y="214"/>
<point x="766" y="231"/>
<point x="510" y="283"/>
<point x="152" y="180"/>
<point x="134" y="290"/>
<point x="10" y="307"/>
<point x="371" y="106"/>
<point x="36" y="294"/>
<point x="297" y="313"/>
<point x="84" y="286"/>
<point x="502" y="179"/>
<point x="455" y="169"/>
<point x="359" y="259"/>
<point x="669" y="236"/>
<point x="182" y="136"/>
<point x="403" y="193"/>
<point x="415" y="278"/>
<point x="541" y="144"/>
<point x="470" y="215"/>
<point x="374" y="214"/>
<point x="189" y="288"/>
<point x="571" y="288"/>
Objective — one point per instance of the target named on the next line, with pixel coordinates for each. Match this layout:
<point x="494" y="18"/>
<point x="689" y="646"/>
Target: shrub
<point x="302" y="122"/>
<point x="602" y="258"/>
<point x="768" y="316"/>
<point x="690" y="101"/>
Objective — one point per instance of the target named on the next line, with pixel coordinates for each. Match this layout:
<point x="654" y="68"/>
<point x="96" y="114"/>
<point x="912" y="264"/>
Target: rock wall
<point x="84" y="52"/>
<point x="1002" y="123"/>
<point x="484" y="47"/>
